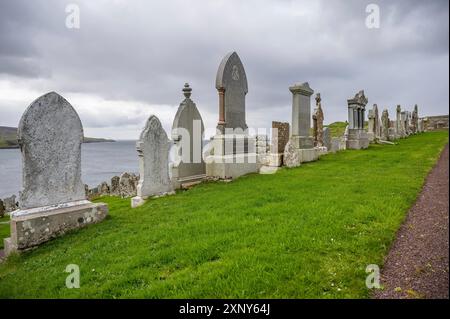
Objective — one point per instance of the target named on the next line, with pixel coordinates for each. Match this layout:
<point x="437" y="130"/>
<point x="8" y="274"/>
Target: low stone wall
<point x="123" y="186"/>
<point x="432" y="123"/>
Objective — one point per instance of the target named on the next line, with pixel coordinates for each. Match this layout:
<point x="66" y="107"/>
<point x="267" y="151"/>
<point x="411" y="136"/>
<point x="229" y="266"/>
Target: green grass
<point x="4" y="230"/>
<point x="307" y="232"/>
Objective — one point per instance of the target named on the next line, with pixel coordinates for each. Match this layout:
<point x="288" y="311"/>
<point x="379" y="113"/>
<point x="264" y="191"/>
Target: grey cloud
<point x="145" y="51"/>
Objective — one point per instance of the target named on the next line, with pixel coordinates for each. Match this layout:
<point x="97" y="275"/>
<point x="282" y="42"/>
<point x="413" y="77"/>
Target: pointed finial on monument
<point x="187" y="90"/>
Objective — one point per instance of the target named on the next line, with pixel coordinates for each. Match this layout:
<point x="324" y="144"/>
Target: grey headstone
<point x="231" y="77"/>
<point x="187" y="133"/>
<point x="153" y="148"/>
<point x="50" y="136"/>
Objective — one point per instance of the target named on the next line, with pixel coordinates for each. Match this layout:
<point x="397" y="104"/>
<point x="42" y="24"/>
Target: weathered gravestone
<point x="153" y="150"/>
<point x="280" y="137"/>
<point x="301" y="122"/>
<point x="318" y="122"/>
<point x="233" y="152"/>
<point x="374" y="128"/>
<point x="327" y="138"/>
<point x="187" y="133"/>
<point x="52" y="200"/>
<point x="357" y="137"/>
<point x="415" y="119"/>
<point x="385" y="125"/>
<point x="291" y="156"/>
<point x="399" y="125"/>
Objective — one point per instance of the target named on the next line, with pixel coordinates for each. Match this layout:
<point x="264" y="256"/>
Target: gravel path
<point x="417" y="264"/>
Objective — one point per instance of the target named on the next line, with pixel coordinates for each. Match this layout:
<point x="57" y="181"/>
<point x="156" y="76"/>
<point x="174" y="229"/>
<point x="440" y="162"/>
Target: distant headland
<point x="8" y="138"/>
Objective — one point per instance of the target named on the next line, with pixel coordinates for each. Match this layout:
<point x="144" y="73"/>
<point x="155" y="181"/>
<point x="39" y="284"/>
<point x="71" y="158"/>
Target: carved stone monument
<point x="234" y="152"/>
<point x="153" y="151"/>
<point x="187" y="133"/>
<point x="357" y="137"/>
<point x="318" y="122"/>
<point x="301" y="122"/>
<point x="53" y="199"/>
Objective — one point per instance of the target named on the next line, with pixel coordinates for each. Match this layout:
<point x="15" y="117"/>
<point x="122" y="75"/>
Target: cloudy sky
<point x="131" y="58"/>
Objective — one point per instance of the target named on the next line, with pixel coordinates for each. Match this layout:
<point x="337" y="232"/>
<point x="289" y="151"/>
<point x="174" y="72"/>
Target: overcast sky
<point x="130" y="59"/>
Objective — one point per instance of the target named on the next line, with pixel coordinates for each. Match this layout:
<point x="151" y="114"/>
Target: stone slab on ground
<point x="417" y="265"/>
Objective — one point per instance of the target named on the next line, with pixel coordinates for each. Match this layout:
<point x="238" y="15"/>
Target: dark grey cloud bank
<point x="138" y="54"/>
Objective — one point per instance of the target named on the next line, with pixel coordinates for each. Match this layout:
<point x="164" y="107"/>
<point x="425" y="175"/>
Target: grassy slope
<point x="337" y="129"/>
<point x="304" y="232"/>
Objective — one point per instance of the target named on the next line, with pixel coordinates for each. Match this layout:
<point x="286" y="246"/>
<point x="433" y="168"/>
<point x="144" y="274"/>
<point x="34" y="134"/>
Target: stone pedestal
<point x="231" y="166"/>
<point x="357" y="139"/>
<point x="233" y="156"/>
<point x="31" y="227"/>
<point x="308" y="155"/>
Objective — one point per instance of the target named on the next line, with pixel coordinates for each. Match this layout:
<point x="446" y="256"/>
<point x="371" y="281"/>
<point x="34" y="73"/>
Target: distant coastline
<point x="8" y="138"/>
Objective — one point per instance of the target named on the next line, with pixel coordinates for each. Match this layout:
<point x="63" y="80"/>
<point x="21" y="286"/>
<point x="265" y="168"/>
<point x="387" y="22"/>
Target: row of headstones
<point x="405" y="124"/>
<point x="50" y="136"/>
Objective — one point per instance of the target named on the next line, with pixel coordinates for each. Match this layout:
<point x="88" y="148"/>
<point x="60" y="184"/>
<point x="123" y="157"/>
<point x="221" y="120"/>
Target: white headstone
<point x="153" y="149"/>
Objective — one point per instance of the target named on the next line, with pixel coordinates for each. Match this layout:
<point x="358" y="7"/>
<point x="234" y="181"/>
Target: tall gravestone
<point x="374" y="125"/>
<point x="301" y="123"/>
<point x="153" y="151"/>
<point x="385" y="125"/>
<point x="357" y="137"/>
<point x="399" y="125"/>
<point x="187" y="134"/>
<point x="318" y="122"/>
<point x="415" y="119"/>
<point x="53" y="198"/>
<point x="234" y="151"/>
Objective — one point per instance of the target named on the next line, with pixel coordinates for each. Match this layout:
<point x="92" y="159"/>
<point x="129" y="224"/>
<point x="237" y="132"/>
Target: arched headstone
<point x="153" y="150"/>
<point x="50" y="136"/>
<point x="232" y="80"/>
<point x="53" y="197"/>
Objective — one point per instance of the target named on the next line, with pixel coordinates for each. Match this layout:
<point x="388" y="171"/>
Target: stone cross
<point x="356" y="110"/>
<point x="187" y="133"/>
<point x="153" y="150"/>
<point x="50" y="136"/>
<point x="231" y="84"/>
<point x="318" y="122"/>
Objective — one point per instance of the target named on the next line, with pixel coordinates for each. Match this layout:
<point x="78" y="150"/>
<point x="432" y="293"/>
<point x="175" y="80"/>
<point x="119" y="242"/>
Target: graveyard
<point x="305" y="232"/>
<point x="242" y="154"/>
